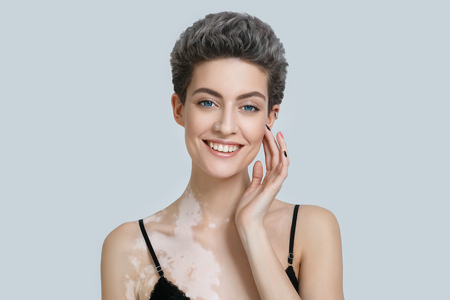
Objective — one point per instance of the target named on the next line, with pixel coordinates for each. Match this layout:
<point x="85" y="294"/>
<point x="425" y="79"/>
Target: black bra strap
<point x="291" y="242"/>
<point x="150" y="248"/>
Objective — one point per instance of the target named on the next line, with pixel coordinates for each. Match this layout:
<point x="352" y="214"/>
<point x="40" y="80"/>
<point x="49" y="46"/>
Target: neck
<point x="217" y="198"/>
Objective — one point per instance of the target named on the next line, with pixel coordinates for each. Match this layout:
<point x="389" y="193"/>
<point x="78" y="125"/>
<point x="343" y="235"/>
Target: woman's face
<point x="224" y="115"/>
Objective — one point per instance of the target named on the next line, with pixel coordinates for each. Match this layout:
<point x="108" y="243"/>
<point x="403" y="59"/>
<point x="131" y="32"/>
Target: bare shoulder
<point x="117" y="271"/>
<point x="308" y="215"/>
<point x="280" y="215"/>
<point x="118" y="246"/>
<point x="126" y="241"/>
<point x="315" y="225"/>
<point x="123" y="239"/>
<point x="125" y="261"/>
<point x="120" y="240"/>
<point x="319" y="235"/>
<point x="127" y="238"/>
<point x="321" y="253"/>
<point x="316" y="215"/>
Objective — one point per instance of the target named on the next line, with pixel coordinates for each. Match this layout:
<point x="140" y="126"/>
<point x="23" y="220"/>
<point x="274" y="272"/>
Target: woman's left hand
<point x="259" y="196"/>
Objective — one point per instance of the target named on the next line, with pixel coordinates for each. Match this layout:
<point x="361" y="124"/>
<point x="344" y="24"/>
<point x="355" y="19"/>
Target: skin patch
<point x="140" y="244"/>
<point x="189" y="211"/>
<point x="193" y="268"/>
<point x="218" y="225"/>
<point x="155" y="217"/>
<point x="130" y="286"/>
<point x="213" y="225"/>
<point x="146" y="278"/>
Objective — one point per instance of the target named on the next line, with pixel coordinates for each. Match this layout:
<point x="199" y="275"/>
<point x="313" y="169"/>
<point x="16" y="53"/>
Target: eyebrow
<point x="240" y="97"/>
<point x="251" y="94"/>
<point x="207" y="91"/>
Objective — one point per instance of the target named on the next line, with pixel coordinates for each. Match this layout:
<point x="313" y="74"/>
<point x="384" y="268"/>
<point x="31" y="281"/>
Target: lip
<point x="224" y="142"/>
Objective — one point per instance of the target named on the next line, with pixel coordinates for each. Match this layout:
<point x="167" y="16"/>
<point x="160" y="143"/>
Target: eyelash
<point x="253" y="108"/>
<point x="211" y="104"/>
<point x="202" y="103"/>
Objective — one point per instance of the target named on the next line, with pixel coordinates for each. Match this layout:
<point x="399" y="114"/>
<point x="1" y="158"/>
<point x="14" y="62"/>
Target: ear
<point x="178" y="109"/>
<point x="272" y="115"/>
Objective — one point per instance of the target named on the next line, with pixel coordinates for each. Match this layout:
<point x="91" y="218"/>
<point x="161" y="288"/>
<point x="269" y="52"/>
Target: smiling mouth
<point x="225" y="148"/>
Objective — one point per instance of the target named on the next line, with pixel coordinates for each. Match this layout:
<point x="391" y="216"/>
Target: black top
<point x="166" y="290"/>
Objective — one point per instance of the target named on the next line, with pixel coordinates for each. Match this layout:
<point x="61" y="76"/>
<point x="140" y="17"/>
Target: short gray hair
<point x="229" y="35"/>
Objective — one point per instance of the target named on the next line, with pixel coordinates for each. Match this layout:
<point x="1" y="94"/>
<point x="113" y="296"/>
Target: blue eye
<point x="206" y="103"/>
<point x="250" y="108"/>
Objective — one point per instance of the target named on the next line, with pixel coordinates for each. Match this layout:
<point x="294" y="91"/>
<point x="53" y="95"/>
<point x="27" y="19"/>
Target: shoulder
<point x="117" y="271"/>
<point x="313" y="220"/>
<point x="127" y="240"/>
<point x="310" y="214"/>
<point x="121" y="237"/>
<point x="119" y="244"/>
<point x="279" y="215"/>
<point x="310" y="218"/>
<point x="321" y="253"/>
<point x="319" y="231"/>
<point x="317" y="216"/>
<point x="124" y="238"/>
<point x="314" y="225"/>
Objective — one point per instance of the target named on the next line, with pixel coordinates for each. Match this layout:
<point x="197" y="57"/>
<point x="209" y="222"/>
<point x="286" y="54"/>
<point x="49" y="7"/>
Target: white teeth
<point x="223" y="148"/>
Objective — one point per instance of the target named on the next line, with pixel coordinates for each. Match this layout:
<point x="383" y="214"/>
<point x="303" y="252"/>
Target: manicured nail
<point x="268" y="127"/>
<point x="281" y="135"/>
<point x="285" y="153"/>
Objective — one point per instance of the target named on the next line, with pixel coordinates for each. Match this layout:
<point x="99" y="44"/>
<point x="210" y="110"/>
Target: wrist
<point x="250" y="232"/>
<point x="248" y="223"/>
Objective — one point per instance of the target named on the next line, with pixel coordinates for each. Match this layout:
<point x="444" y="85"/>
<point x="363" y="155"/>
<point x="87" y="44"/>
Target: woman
<point x="227" y="237"/>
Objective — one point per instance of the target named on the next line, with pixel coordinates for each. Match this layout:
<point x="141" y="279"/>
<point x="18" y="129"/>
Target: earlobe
<point x="177" y="108"/>
<point x="273" y="115"/>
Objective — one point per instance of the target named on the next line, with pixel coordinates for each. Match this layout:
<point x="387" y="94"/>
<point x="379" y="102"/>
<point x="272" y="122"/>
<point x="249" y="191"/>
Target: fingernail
<point x="281" y="135"/>
<point x="285" y="154"/>
<point x="268" y="127"/>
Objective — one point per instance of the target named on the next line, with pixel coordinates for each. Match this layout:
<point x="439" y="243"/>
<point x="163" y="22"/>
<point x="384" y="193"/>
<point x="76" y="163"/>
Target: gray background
<point x="88" y="141"/>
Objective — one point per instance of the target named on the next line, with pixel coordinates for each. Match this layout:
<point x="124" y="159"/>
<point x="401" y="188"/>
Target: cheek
<point x="195" y="127"/>
<point x="254" y="131"/>
<point x="191" y="132"/>
<point x="197" y="124"/>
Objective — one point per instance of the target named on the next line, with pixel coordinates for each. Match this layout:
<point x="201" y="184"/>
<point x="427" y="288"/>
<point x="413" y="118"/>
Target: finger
<point x="257" y="174"/>
<point x="273" y="174"/>
<point x="279" y="173"/>
<point x="283" y="148"/>
<point x="273" y="149"/>
<point x="284" y="158"/>
<point x="267" y="154"/>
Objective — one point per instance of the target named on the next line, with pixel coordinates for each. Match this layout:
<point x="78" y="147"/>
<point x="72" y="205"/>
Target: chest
<point x="204" y="266"/>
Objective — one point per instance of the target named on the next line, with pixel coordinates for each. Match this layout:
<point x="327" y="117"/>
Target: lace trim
<point x="166" y="290"/>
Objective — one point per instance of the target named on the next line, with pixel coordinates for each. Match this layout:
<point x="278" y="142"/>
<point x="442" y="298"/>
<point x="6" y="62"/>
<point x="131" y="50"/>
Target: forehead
<point x="230" y="77"/>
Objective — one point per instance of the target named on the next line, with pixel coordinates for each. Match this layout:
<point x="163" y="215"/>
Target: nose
<point x="227" y="122"/>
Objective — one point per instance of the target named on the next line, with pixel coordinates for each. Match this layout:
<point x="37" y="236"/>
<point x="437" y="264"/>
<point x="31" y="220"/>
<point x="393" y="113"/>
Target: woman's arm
<point x="116" y="272"/>
<point x="269" y="275"/>
<point x="321" y="260"/>
<point x="321" y="272"/>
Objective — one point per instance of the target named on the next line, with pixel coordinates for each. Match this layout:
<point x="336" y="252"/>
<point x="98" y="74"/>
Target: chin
<point x="223" y="172"/>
